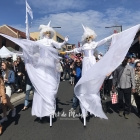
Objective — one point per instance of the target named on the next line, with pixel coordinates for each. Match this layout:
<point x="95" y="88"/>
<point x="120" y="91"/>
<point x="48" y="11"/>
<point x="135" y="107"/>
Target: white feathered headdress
<point x="88" y="32"/>
<point x="44" y="28"/>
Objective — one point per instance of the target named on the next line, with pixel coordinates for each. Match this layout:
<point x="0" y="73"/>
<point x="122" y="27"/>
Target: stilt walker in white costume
<point x="52" y="75"/>
<point x="93" y="74"/>
<point x="42" y="65"/>
<point x="87" y="48"/>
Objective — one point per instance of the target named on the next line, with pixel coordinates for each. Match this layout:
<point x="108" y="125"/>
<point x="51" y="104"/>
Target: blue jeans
<point x="28" y="89"/>
<point x="75" y="102"/>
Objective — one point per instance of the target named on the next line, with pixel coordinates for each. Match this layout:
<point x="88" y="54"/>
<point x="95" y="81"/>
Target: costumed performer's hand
<point x="67" y="52"/>
<point x="66" y="39"/>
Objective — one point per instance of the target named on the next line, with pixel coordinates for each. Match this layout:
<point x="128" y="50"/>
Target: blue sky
<point x="70" y="14"/>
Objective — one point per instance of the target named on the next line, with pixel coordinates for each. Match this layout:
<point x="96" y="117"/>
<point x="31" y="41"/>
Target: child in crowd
<point x="77" y="71"/>
<point x="71" y="73"/>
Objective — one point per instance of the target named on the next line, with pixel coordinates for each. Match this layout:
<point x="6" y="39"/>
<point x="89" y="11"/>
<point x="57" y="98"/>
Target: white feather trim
<point x="44" y="28"/>
<point x="88" y="32"/>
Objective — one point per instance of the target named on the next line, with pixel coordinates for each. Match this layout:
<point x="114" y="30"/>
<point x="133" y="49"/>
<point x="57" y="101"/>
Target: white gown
<point x="89" y="60"/>
<point x="47" y="106"/>
<point x="93" y="75"/>
<point x="41" y="61"/>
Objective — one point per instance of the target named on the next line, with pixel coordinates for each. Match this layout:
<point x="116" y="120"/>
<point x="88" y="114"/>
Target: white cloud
<point x="48" y="6"/>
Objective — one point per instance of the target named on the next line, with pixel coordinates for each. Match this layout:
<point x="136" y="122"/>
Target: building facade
<point x="13" y="32"/>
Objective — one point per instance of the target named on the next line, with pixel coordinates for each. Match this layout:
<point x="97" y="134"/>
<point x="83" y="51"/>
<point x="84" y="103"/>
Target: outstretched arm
<point x="59" y="45"/>
<point x="76" y="50"/>
<point x="101" y="42"/>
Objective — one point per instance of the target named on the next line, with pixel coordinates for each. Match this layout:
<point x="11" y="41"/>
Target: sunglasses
<point x="138" y="66"/>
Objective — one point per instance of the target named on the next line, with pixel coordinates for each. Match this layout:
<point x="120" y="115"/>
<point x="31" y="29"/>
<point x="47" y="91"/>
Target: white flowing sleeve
<point x="58" y="45"/>
<point x="76" y="50"/>
<point x="101" y="42"/>
<point x="87" y="90"/>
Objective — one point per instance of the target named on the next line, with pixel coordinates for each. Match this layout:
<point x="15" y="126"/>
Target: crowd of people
<point x="68" y="65"/>
<point x="8" y="84"/>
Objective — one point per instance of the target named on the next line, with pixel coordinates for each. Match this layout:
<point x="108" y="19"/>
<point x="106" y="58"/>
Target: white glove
<point x="69" y="52"/>
<point x="66" y="39"/>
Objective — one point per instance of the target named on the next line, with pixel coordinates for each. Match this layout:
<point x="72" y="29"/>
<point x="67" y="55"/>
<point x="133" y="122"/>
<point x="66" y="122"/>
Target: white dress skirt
<point x="88" y="87"/>
<point x="87" y="63"/>
<point x="41" y="61"/>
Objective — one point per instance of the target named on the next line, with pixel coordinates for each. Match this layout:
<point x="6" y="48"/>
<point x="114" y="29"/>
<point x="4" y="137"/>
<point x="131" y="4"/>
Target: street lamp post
<point x="56" y="27"/>
<point x="112" y="27"/>
<point x="115" y="26"/>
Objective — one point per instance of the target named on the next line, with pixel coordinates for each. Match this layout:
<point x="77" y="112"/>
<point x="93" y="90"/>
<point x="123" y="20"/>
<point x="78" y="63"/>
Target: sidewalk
<point x="19" y="96"/>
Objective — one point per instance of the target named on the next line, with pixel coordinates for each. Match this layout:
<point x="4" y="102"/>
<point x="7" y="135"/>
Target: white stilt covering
<point x="50" y="120"/>
<point x="84" y="120"/>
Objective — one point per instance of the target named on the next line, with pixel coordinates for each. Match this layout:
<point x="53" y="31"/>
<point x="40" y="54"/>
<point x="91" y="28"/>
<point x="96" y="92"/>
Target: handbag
<point x="114" y="97"/>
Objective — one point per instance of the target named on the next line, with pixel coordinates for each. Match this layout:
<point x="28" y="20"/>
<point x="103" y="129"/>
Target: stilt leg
<point x="84" y="120"/>
<point x="50" y="120"/>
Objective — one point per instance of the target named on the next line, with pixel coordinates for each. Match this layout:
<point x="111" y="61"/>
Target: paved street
<point x="26" y="127"/>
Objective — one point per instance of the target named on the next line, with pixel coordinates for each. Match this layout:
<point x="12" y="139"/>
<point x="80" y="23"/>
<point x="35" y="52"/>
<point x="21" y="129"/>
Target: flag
<point x="28" y="11"/>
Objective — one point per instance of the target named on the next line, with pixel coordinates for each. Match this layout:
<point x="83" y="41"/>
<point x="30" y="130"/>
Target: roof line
<point x="10" y="29"/>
